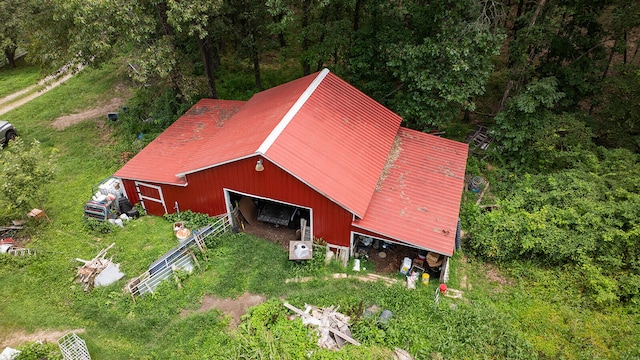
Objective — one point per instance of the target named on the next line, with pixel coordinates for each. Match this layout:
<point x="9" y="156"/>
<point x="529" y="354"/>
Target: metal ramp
<point x="179" y="258"/>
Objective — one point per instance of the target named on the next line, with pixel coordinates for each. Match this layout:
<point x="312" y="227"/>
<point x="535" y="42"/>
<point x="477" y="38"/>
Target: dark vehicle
<point x="7" y="132"/>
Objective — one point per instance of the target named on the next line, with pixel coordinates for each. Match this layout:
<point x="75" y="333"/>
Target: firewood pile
<point x="92" y="268"/>
<point x="332" y="326"/>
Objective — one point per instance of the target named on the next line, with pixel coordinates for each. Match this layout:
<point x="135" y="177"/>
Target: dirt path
<point x="18" y="338"/>
<point x="233" y="307"/>
<point x="67" y="120"/>
<point x="52" y="81"/>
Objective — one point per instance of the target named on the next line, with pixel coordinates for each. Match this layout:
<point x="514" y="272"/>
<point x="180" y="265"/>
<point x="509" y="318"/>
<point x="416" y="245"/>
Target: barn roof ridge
<point x="286" y="119"/>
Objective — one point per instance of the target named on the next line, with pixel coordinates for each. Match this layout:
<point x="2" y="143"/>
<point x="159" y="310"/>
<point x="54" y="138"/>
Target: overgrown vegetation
<point x="26" y="169"/>
<point x="585" y="216"/>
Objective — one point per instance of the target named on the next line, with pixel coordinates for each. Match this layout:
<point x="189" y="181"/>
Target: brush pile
<point x="91" y="269"/>
<point x="332" y="326"/>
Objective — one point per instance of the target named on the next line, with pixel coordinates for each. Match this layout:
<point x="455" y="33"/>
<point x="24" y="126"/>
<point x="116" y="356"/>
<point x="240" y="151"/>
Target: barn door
<point x="151" y="198"/>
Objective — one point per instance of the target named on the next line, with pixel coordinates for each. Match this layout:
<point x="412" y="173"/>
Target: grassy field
<point x="13" y="80"/>
<point x="515" y="312"/>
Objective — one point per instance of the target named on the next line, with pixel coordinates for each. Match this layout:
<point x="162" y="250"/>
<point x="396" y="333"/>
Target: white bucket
<point x="406" y="265"/>
<point x="301" y="251"/>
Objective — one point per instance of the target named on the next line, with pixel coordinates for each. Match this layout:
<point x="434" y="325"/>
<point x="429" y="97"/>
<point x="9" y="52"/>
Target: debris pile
<point x="8" y="246"/>
<point x="332" y="326"/>
<point x="99" y="271"/>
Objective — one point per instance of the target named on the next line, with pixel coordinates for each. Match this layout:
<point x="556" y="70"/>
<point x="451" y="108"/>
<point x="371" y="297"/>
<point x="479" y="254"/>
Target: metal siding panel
<point x="204" y="193"/>
<point x="130" y="190"/>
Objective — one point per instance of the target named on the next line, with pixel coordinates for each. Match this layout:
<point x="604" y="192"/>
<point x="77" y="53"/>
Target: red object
<point x="419" y="200"/>
<point x="325" y="146"/>
<point x="443" y="288"/>
<point x="6" y="241"/>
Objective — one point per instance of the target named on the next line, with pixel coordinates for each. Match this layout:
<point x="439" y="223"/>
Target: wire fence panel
<point x="179" y="258"/>
<point x="73" y="347"/>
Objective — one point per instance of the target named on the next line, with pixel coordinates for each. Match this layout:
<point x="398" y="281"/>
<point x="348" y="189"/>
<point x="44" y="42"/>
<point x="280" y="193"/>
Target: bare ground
<point x="121" y="94"/>
<point x="8" y="103"/>
<point x="18" y="338"/>
<point x="232" y="307"/>
<point x="65" y="121"/>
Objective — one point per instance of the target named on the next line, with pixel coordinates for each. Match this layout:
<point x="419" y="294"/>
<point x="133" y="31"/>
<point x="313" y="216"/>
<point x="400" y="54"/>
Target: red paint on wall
<point x="205" y="194"/>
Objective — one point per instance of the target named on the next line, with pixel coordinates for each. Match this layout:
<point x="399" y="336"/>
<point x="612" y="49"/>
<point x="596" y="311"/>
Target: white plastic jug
<point x="406" y="265"/>
<point x="301" y="251"/>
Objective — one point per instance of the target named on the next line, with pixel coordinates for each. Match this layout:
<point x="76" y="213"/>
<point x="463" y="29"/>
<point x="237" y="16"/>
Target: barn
<point x="314" y="148"/>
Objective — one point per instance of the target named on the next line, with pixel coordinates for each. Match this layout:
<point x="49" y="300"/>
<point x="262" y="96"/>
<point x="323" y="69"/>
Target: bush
<point x="586" y="217"/>
<point x="39" y="351"/>
<point x="191" y="220"/>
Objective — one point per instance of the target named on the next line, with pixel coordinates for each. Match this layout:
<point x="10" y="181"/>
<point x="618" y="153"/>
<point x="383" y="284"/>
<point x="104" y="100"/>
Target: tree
<point x="527" y="119"/>
<point x="323" y="30"/>
<point x="444" y="66"/>
<point x="195" y="18"/>
<point x="249" y="21"/>
<point x="14" y="15"/>
<point x="617" y="109"/>
<point x="26" y="170"/>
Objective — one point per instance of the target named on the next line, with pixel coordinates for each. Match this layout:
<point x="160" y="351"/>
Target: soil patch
<point x="64" y="122"/>
<point x="17" y="338"/>
<point x="232" y="307"/>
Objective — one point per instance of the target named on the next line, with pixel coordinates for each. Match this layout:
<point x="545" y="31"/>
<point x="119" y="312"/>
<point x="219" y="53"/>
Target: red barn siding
<point x="204" y="193"/>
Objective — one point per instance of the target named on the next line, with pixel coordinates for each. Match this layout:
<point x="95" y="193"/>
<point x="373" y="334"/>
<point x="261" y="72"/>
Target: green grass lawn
<point x="19" y="78"/>
<point x="519" y="312"/>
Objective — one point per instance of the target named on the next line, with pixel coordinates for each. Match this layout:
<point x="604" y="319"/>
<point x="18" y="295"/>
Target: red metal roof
<point x="402" y="184"/>
<point x="244" y="132"/>
<point x="169" y="153"/>
<point x="318" y="128"/>
<point x="337" y="143"/>
<point x="418" y="199"/>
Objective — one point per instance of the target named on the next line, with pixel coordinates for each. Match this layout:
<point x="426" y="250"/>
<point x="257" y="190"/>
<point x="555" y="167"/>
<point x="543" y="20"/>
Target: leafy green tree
<point x="26" y="170"/>
<point x="432" y="59"/>
<point x="14" y="15"/>
<point x="250" y="23"/>
<point x="617" y="109"/>
<point x="533" y="136"/>
<point x="195" y="18"/>
<point x="322" y="30"/>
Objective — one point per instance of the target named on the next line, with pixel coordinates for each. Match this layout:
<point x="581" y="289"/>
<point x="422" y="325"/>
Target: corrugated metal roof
<point x="244" y="133"/>
<point x="169" y="153"/>
<point x="318" y="128"/>
<point x="337" y="143"/>
<point x="418" y="198"/>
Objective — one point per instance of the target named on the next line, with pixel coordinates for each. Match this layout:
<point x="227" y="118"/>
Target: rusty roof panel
<point x="248" y="128"/>
<point x="170" y="152"/>
<point x="418" y="201"/>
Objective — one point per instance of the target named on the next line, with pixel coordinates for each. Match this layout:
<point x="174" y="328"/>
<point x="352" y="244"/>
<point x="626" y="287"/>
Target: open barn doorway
<point x="388" y="255"/>
<point x="269" y="219"/>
